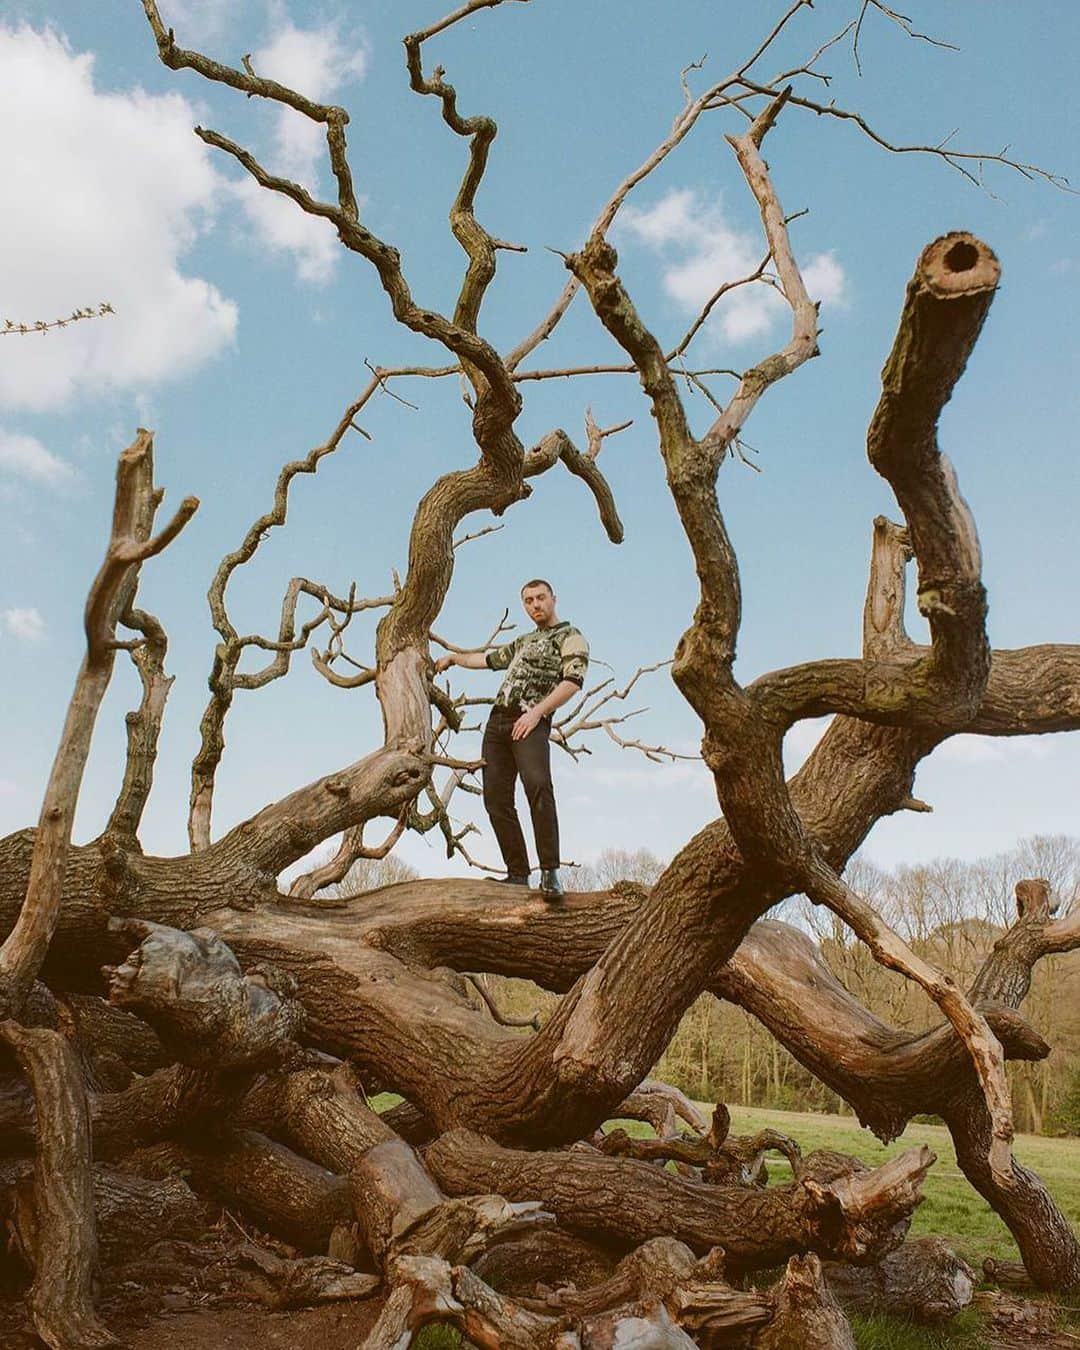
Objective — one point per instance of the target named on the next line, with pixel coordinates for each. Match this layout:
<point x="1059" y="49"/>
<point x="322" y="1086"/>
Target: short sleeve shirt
<point x="536" y="662"/>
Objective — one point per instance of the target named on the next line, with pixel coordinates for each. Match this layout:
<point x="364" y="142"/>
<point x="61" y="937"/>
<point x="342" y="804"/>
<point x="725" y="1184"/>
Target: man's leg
<point x="533" y="755"/>
<point x="500" y="776"/>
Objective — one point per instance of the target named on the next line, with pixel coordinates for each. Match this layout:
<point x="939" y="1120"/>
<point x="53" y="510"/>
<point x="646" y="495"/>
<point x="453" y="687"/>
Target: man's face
<point x="539" y="605"/>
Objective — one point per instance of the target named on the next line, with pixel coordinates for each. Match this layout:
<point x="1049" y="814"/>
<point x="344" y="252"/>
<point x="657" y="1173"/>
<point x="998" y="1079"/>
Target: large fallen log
<point x="924" y="1281"/>
<point x="853" y="1214"/>
<point x="277" y="1189"/>
<point x="131" y="1212"/>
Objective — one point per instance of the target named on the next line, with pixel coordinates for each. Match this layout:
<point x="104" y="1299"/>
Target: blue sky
<point x="241" y="331"/>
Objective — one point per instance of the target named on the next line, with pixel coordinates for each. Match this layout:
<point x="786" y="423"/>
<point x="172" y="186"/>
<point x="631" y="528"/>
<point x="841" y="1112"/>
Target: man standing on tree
<point x="544" y="669"/>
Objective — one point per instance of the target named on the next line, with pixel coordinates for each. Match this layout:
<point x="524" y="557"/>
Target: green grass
<point x="888" y="1333"/>
<point x="438" y="1337"/>
<point x="951" y="1209"/>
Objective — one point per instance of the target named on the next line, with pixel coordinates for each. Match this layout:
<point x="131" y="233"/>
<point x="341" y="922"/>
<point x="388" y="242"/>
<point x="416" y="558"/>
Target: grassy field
<point x="951" y="1209"/>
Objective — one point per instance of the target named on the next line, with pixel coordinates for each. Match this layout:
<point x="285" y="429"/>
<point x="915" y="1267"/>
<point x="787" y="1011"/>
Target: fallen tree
<point x="182" y="1013"/>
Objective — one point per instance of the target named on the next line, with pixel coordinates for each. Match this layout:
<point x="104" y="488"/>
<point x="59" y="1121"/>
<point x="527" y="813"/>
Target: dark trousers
<point x="504" y="761"/>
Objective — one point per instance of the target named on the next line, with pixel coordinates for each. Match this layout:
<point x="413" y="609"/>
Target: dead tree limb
<point x="856" y="1215"/>
<point x="130" y="544"/>
<point x="923" y="1280"/>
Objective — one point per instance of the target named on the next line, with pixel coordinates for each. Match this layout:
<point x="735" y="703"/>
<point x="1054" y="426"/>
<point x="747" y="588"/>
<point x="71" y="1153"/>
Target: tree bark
<point x="807" y="1314"/>
<point x="64" y="1253"/>
<point x="923" y="1280"/>
<point x="276" y="1188"/>
<point x="848" y="1215"/>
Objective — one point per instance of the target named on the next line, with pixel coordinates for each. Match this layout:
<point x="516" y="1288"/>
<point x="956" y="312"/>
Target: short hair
<point x="538" y="581"/>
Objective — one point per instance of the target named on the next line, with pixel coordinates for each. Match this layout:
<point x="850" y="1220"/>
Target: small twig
<point x="501" y="627"/>
<point x="479" y="534"/>
<point x="901" y="20"/>
<point x="45" y="326"/>
<point x="382" y="377"/>
<point x="595" y="435"/>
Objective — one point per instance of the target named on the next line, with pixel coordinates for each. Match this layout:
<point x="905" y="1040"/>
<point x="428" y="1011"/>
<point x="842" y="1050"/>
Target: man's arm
<point x="467" y="660"/>
<point x="562" y="693"/>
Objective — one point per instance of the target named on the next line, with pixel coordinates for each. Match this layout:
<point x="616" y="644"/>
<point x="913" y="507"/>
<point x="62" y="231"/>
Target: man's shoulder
<point x="572" y="639"/>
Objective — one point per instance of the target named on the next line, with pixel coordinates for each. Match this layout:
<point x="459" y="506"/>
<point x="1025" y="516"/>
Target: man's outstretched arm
<point x="467" y="660"/>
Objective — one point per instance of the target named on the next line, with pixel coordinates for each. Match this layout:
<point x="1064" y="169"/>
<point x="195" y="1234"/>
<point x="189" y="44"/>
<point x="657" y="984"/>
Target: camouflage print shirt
<point x="536" y="662"/>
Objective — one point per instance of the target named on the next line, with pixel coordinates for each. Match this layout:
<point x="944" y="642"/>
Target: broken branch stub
<point x="190" y="988"/>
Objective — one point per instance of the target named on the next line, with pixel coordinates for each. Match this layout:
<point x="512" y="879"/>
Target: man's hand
<point x="526" y="723"/>
<point x="444" y="663"/>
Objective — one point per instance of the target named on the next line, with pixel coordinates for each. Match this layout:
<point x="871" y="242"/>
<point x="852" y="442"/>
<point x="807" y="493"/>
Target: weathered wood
<point x="65" y="1247"/>
<point x="131" y="1214"/>
<point x="429" y="1290"/>
<point x="129" y="545"/>
<point x="645" y="1329"/>
<point x="279" y="1283"/>
<point x="277" y="1189"/>
<point x="190" y="988"/>
<point x="1015" y="1324"/>
<point x="166" y="1102"/>
<point x="717" y="1315"/>
<point x="101" y="1026"/>
<point x="806" y="1314"/>
<point x="738" y="1160"/>
<point x="647" y="1274"/>
<point x="319" y="1111"/>
<point x="371" y="987"/>
<point x="854" y="1214"/>
<point x="392" y="1194"/>
<point x="924" y="1280"/>
<point x="662" y="1106"/>
<point x="1007" y="1274"/>
<point x="546" y="1256"/>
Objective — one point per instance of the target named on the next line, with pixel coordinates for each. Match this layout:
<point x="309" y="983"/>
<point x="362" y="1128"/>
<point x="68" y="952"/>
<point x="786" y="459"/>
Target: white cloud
<point x="316" y="62"/>
<point x="703" y="250"/>
<point x="281" y="226"/>
<point x="197" y="21"/>
<point x="26" y="624"/>
<point x="104" y="195"/>
<point x="26" y="457"/>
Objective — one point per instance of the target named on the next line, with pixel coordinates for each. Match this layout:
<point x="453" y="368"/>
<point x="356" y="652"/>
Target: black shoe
<point x="511" y="880"/>
<point x="550" y="885"/>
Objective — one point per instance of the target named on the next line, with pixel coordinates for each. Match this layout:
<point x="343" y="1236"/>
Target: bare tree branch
<point x="956" y="159"/>
<point x="11" y="326"/>
<point x="129" y="544"/>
